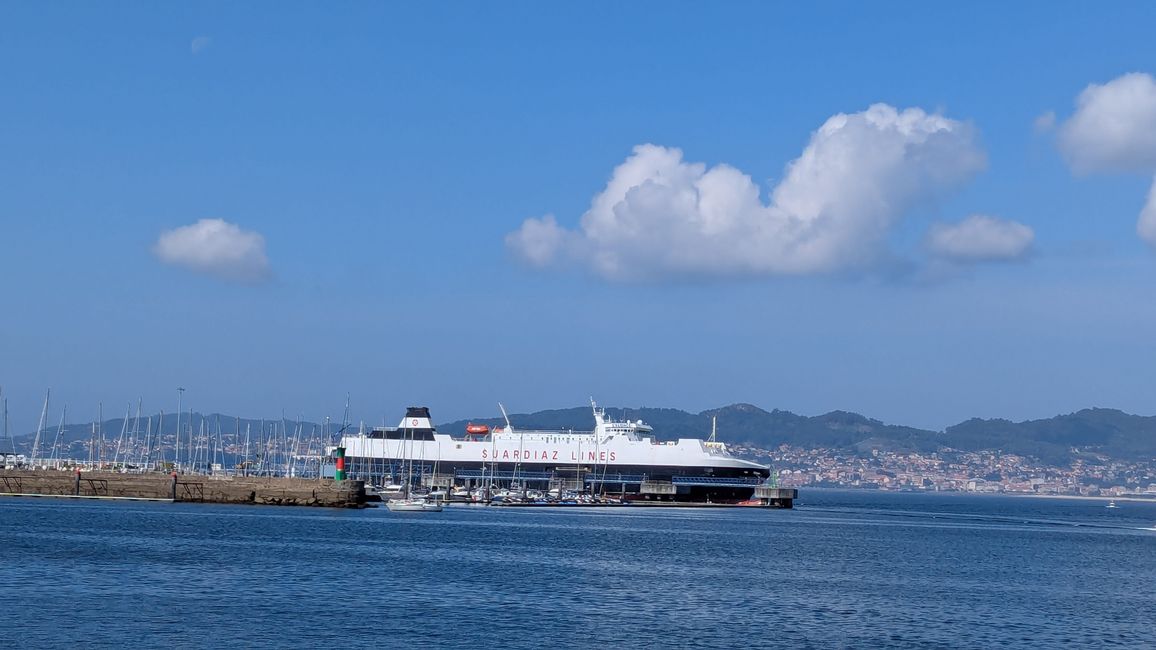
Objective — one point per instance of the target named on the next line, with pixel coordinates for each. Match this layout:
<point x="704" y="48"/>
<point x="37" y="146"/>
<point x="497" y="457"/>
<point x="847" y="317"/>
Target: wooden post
<point x="174" y="490"/>
<point x="76" y="483"/>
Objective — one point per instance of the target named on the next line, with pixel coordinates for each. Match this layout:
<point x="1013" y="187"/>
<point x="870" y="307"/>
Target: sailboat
<point x="409" y="503"/>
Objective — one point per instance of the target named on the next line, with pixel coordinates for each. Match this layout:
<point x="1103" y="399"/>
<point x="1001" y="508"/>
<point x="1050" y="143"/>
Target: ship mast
<point x="509" y="427"/>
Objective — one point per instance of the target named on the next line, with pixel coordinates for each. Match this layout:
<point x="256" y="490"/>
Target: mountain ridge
<point x="1060" y="439"/>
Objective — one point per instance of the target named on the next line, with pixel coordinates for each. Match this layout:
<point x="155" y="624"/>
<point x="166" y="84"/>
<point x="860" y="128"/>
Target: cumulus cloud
<point x="1114" y="129"/>
<point x="215" y="247"/>
<point x="980" y="238"/>
<point x="199" y="44"/>
<point x="1114" y="126"/>
<point x="539" y="241"/>
<point x="660" y="215"/>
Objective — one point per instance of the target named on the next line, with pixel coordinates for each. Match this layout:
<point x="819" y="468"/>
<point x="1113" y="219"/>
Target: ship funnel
<point x="416" y="417"/>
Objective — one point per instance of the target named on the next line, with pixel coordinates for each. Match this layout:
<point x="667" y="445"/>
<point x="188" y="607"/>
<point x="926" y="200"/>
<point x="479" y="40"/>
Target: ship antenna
<point x="713" y="427"/>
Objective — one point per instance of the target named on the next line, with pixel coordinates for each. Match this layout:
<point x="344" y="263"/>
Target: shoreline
<point x="1020" y="495"/>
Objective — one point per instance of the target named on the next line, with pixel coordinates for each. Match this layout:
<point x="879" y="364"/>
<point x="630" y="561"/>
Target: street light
<point x="177" y="442"/>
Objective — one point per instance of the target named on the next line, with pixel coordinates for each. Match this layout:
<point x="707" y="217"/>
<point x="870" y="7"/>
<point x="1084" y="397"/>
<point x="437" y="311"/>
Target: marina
<point x="408" y="468"/>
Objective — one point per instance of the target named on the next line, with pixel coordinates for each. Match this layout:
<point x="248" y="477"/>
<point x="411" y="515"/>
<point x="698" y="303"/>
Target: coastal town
<point x="957" y="471"/>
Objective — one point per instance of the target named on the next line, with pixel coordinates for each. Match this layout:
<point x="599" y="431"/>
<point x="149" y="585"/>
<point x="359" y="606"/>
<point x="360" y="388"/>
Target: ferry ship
<point x="619" y="458"/>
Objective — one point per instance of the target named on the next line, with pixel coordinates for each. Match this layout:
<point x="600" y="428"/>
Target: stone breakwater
<point x="183" y="487"/>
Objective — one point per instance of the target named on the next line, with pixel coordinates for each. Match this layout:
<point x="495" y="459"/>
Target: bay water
<point x="845" y="569"/>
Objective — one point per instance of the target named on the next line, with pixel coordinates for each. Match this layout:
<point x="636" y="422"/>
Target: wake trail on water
<point x="973" y="518"/>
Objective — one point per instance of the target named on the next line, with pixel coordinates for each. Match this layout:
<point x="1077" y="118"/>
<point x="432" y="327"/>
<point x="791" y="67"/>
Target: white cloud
<point x="1114" y="129"/>
<point x="200" y="43"/>
<point x="1114" y="126"/>
<point x="660" y="215"/>
<point x="1045" y="122"/>
<point x="980" y="238"/>
<point x="1146" y="225"/>
<point x="539" y="241"/>
<point x="215" y="247"/>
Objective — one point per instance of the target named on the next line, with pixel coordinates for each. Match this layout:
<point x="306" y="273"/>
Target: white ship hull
<point x="618" y="457"/>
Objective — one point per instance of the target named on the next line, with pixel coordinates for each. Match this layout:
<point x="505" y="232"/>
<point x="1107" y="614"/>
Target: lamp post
<point x="177" y="441"/>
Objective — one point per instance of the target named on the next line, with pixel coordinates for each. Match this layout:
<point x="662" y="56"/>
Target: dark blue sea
<point x="842" y="570"/>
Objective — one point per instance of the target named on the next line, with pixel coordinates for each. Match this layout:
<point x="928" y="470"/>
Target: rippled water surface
<point x="844" y="569"/>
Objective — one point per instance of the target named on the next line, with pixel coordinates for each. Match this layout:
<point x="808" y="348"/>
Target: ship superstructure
<point x="619" y="457"/>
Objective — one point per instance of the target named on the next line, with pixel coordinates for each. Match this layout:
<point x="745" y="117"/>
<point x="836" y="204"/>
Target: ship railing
<point x="740" y="481"/>
<point x="527" y="476"/>
<point x="615" y="478"/>
<point x="543" y="432"/>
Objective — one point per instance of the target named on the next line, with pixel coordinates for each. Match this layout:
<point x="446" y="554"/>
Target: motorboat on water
<point x="384" y="493"/>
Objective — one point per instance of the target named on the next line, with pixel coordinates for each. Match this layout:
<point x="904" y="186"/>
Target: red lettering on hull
<point x="593" y="456"/>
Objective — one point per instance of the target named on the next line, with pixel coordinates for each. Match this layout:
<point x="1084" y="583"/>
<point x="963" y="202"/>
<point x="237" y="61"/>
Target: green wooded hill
<point x="1107" y="432"/>
<point x="1097" y="431"/>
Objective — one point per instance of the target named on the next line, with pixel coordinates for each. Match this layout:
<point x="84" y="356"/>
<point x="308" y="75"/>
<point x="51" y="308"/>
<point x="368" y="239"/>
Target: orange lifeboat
<point x="477" y="429"/>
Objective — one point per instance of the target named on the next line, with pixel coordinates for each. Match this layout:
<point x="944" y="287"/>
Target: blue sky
<point x="379" y="158"/>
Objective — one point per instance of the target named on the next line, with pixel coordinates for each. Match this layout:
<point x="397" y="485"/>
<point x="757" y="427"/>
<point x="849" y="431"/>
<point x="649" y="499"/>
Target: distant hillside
<point x="1098" y="431"/>
<point x="1101" y="431"/>
<point x="1109" y="432"/>
<point x="738" y="423"/>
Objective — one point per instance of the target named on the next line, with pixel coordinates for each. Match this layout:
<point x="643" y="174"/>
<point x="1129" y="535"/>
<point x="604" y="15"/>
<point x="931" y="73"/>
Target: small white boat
<point x="393" y="491"/>
<point x="413" y="505"/>
<point x="1112" y="504"/>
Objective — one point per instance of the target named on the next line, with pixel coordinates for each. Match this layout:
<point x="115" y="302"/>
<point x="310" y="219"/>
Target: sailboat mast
<point x="100" y="435"/>
<point x="123" y="432"/>
<point x="146" y="452"/>
<point x="134" y="439"/>
<point x="190" y="460"/>
<point x="59" y="435"/>
<point x="200" y="445"/>
<point x="248" y="429"/>
<point x="7" y="434"/>
<point x="160" y="442"/>
<point x="39" y="428"/>
<point x="218" y="451"/>
<point x="236" y="437"/>
<point x="177" y="441"/>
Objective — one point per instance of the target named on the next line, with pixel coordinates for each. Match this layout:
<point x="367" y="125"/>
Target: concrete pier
<point x="776" y="497"/>
<point x="183" y="487"/>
